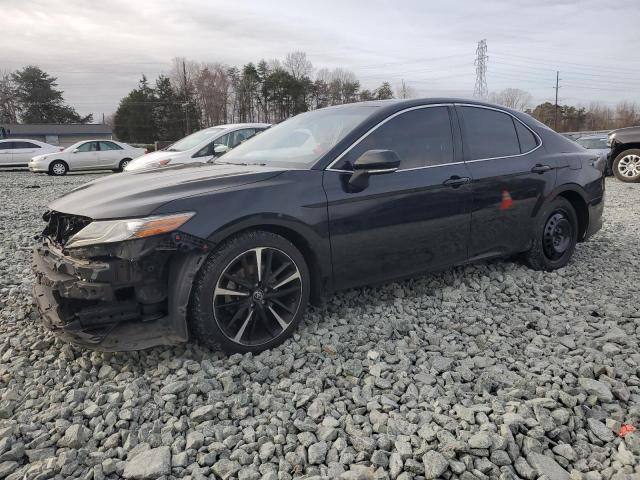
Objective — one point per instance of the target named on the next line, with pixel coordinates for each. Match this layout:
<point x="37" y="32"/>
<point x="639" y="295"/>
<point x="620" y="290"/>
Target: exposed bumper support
<point x="596" y="210"/>
<point x="115" y="304"/>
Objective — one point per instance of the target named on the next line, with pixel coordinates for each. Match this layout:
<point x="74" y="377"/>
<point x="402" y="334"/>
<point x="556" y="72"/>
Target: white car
<point x="16" y="152"/>
<point x="201" y="146"/>
<point x="87" y="155"/>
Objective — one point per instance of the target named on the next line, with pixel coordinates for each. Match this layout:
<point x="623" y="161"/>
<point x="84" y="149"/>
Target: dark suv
<point x="625" y="153"/>
<point x="345" y="196"/>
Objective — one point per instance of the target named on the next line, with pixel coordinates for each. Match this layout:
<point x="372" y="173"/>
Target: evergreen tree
<point x="135" y="118"/>
<point x="384" y="92"/>
<point x="168" y="113"/>
<point x="39" y="101"/>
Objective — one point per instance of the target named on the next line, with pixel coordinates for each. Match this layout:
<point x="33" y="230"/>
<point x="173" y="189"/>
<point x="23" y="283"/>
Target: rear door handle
<point x="456" y="181"/>
<point x="541" y="168"/>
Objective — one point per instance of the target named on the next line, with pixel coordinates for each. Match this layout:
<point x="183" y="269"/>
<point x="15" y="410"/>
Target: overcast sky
<point x="99" y="49"/>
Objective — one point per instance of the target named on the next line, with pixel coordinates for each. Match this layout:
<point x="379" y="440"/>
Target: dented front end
<point x="120" y="296"/>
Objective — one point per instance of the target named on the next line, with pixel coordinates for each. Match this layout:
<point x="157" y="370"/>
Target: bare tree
<point x="212" y="84"/>
<point x="298" y="65"/>
<point x="405" y="91"/>
<point x="627" y="114"/>
<point x="8" y="104"/>
<point x="512" y="98"/>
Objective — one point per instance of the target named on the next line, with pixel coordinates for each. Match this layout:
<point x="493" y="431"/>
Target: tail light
<point x="61" y="149"/>
<point x="146" y="150"/>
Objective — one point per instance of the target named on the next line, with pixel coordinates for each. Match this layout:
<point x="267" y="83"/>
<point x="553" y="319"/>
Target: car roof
<point x="229" y="126"/>
<point x="11" y="139"/>
<point x="394" y="105"/>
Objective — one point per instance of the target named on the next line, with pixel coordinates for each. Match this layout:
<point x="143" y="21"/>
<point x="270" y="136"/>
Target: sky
<point x="98" y="50"/>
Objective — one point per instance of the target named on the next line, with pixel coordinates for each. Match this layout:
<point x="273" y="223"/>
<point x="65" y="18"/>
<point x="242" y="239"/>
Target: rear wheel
<point x="556" y="236"/>
<point x="626" y="166"/>
<point x="124" y="163"/>
<point x="58" y="168"/>
<point x="251" y="293"/>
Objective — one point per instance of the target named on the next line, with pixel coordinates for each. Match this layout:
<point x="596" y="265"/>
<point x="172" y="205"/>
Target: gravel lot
<point x="487" y="371"/>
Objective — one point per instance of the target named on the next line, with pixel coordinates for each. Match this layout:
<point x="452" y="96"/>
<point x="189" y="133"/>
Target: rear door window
<point x="488" y="134"/>
<point x="109" y="146"/>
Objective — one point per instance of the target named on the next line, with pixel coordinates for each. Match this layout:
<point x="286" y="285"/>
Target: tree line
<point x="30" y="95"/>
<point x="198" y="95"/>
<point x="570" y="118"/>
<point x="195" y="95"/>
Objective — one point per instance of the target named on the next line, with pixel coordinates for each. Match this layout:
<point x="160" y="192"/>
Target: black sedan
<point x="231" y="253"/>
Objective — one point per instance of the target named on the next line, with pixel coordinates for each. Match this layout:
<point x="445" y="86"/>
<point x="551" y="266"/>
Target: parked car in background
<point x="87" y="155"/>
<point x="199" y="147"/>
<point x="597" y="143"/>
<point x="17" y="152"/>
<point x="625" y="153"/>
<point x="230" y="252"/>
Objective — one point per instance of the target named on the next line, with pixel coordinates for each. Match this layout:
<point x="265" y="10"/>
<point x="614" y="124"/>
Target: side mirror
<point x="76" y="150"/>
<point x="220" y="149"/>
<point x="372" y="162"/>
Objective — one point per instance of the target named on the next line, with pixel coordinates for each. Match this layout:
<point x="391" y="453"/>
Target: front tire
<point x="250" y="294"/>
<point x="556" y="235"/>
<point x="626" y="166"/>
<point x="58" y="168"/>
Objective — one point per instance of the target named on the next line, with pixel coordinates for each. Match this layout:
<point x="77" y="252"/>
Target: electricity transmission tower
<point x="481" y="90"/>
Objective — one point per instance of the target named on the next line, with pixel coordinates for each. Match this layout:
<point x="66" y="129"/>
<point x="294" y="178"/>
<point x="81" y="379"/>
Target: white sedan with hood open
<point x="87" y="155"/>
<point x="199" y="147"/>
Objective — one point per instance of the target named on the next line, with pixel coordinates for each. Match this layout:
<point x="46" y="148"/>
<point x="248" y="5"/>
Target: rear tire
<point x="250" y="294"/>
<point x="123" y="163"/>
<point x="556" y="235"/>
<point x="626" y="166"/>
<point x="58" y="168"/>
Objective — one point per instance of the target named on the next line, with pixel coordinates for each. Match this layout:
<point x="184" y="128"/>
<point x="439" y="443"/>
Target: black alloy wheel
<point x="251" y="293"/>
<point x="257" y="296"/>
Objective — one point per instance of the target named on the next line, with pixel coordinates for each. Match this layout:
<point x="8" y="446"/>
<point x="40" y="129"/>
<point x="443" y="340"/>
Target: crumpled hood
<point x="138" y="194"/>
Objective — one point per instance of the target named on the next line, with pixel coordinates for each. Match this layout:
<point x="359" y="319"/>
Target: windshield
<point x="300" y="141"/>
<point x="194" y="139"/>
<point x="593" y="143"/>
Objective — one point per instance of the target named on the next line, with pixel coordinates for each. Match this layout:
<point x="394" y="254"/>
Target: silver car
<point x="199" y="147"/>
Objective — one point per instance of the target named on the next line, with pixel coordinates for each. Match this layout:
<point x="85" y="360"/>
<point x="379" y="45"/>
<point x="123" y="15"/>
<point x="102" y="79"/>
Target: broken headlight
<point x="109" y="231"/>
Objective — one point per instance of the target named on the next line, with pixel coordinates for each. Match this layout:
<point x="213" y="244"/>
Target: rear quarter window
<point x="528" y="141"/>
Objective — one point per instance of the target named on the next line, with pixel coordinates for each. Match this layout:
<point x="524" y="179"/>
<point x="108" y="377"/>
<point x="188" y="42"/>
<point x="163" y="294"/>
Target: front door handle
<point x="541" y="168"/>
<point x="455" y="181"/>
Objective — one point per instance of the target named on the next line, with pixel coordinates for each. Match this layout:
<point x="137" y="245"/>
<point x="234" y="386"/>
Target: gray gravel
<point x="486" y="371"/>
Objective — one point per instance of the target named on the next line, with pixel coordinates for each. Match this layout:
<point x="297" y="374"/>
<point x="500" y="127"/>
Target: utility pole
<point x="481" y="90"/>
<point x="555" y="123"/>
<point x="186" y="102"/>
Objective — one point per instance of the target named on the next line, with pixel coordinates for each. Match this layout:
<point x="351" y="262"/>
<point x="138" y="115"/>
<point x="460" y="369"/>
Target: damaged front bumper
<point x="126" y="296"/>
